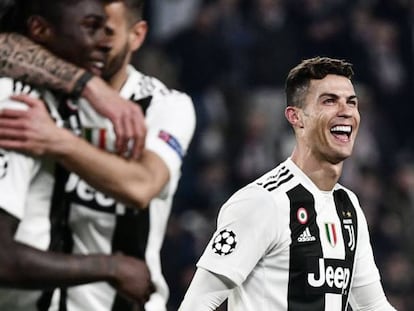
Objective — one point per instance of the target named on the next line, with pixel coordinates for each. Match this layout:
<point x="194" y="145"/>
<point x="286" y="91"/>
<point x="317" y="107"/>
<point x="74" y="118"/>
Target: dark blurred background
<point x="231" y="57"/>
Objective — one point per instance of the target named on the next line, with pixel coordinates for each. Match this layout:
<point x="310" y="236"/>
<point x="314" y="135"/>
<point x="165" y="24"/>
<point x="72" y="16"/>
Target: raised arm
<point x="27" y="61"/>
<point x="25" y="267"/>
<point x="133" y="182"/>
<point x="22" y="59"/>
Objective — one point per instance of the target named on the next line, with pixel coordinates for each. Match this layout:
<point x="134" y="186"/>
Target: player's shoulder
<point x="278" y="180"/>
<point x="141" y="85"/>
<point x="264" y="188"/>
<point x="248" y="201"/>
<point x="9" y="87"/>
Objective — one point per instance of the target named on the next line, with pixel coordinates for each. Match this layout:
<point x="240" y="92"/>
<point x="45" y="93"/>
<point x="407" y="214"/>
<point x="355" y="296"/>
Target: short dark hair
<point x="135" y="9"/>
<point x="298" y="79"/>
<point x="51" y="10"/>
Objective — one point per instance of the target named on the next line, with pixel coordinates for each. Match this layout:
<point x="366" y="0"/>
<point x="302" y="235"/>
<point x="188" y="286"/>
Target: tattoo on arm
<point x="31" y="63"/>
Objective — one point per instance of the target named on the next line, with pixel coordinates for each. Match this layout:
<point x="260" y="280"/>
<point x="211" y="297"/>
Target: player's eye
<point x="329" y="101"/>
<point x="353" y="103"/>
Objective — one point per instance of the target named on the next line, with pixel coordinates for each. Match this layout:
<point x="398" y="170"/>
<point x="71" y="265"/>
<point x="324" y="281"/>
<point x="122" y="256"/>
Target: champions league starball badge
<point x="224" y="242"/>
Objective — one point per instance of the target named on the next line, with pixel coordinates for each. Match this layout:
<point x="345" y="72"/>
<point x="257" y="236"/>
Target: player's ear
<point x="39" y="29"/>
<point x="294" y="116"/>
<point x="137" y="35"/>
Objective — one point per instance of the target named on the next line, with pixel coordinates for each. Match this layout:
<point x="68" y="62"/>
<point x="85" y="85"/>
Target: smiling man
<point x="295" y="239"/>
<point x="116" y="205"/>
<point x="31" y="187"/>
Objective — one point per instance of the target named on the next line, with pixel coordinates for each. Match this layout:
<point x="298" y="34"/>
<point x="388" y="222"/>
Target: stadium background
<point x="232" y="57"/>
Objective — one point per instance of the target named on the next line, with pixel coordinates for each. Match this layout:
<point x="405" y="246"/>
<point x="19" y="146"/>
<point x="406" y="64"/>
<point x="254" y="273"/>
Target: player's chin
<point x="340" y="156"/>
<point x="342" y="151"/>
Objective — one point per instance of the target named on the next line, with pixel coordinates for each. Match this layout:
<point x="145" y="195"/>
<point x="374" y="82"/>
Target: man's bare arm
<point x="130" y="181"/>
<point x="22" y="266"/>
<point x="24" y="60"/>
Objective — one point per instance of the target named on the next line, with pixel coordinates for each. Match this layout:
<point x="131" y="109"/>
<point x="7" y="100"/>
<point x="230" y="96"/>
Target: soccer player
<point x="295" y="239"/>
<point x="31" y="63"/>
<point x="26" y="183"/>
<point x="101" y="223"/>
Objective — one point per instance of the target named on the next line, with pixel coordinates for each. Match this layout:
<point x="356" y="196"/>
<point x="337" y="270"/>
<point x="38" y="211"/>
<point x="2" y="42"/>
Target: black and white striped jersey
<point x="289" y="246"/>
<point x="99" y="223"/>
<point x="26" y="189"/>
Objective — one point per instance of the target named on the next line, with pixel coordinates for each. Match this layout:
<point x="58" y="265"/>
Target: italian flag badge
<point x="330" y="229"/>
<point x="98" y="137"/>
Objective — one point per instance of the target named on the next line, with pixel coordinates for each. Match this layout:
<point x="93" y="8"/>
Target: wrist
<point x="112" y="269"/>
<point x="63" y="141"/>
<point x="81" y="84"/>
<point x="92" y="88"/>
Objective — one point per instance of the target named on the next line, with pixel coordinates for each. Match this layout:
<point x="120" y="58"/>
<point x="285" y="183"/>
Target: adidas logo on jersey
<point x="306" y="236"/>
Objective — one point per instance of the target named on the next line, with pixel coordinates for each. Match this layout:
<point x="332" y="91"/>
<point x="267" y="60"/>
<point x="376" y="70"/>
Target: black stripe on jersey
<point x="131" y="231"/>
<point x="60" y="235"/>
<point x="276" y="178"/>
<point x="142" y="102"/>
<point x="305" y="245"/>
<point x="347" y="215"/>
<point x="130" y="237"/>
<point x="281" y="182"/>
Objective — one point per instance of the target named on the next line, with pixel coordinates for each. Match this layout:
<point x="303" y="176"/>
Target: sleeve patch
<point x="172" y="142"/>
<point x="224" y="242"/>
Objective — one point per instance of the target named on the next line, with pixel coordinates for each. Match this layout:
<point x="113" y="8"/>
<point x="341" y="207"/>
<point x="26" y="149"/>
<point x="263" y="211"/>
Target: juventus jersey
<point x="99" y="224"/>
<point x="26" y="186"/>
<point x="289" y="246"/>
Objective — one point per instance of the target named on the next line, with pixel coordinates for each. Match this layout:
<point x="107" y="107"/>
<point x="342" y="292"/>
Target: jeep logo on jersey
<point x="331" y="275"/>
<point x="84" y="194"/>
<point x="4" y="163"/>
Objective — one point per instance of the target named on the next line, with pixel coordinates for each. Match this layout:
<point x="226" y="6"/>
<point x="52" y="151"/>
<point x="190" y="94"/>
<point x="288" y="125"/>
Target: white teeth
<point x="342" y="128"/>
<point x="99" y="65"/>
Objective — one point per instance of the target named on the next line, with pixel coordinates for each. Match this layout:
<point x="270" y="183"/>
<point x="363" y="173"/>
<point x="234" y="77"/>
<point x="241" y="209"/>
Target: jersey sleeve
<point x="366" y="271"/>
<point x="15" y="173"/>
<point x="245" y="232"/>
<point x="171" y="124"/>
<point x="370" y="297"/>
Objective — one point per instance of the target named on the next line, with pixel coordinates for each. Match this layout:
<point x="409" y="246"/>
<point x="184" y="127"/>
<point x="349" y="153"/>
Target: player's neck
<point x="117" y="80"/>
<point x="323" y="174"/>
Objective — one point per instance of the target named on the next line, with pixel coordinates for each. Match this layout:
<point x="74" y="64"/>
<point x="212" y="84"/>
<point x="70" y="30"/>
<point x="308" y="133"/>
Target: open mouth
<point x="97" y="66"/>
<point x="342" y="132"/>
